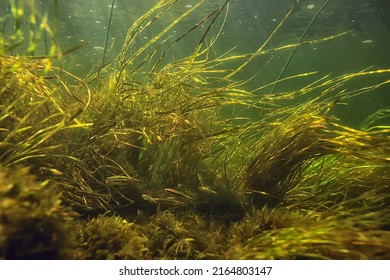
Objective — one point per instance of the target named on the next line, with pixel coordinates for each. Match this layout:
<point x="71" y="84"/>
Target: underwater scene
<point x="195" y="129"/>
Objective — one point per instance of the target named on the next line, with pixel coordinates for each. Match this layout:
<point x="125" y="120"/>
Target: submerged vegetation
<point x="147" y="158"/>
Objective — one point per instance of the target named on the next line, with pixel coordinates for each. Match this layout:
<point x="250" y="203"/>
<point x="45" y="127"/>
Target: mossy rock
<point x="33" y="223"/>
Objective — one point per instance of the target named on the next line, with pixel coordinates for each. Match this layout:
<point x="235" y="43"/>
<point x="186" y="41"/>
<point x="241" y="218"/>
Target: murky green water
<point x="248" y="25"/>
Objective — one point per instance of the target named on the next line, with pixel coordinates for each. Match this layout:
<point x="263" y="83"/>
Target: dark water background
<point x="249" y="23"/>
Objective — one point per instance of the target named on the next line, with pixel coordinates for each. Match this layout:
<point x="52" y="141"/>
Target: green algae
<point x="144" y="155"/>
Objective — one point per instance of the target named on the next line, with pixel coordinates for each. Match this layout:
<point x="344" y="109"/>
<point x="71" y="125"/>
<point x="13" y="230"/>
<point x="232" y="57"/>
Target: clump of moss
<point x="175" y="237"/>
<point x="262" y="220"/>
<point x="108" y="238"/>
<point x="164" y="235"/>
<point x="33" y="223"/>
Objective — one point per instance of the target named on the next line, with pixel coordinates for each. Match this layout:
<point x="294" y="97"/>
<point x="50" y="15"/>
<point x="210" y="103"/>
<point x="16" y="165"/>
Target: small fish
<point x="173" y="191"/>
<point x="118" y="180"/>
<point x="251" y="192"/>
<point x="52" y="171"/>
<point x="149" y="198"/>
<point x="170" y="201"/>
<point x="207" y="190"/>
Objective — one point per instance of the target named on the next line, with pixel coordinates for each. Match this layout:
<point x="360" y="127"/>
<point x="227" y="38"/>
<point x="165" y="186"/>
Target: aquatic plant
<point x="311" y="235"/>
<point x="159" y="156"/>
<point x="109" y="238"/>
<point x="33" y="222"/>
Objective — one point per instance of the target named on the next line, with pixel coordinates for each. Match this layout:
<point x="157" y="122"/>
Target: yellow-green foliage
<point x="33" y="223"/>
<point x="110" y="238"/>
<point x="184" y="236"/>
<point x="161" y="236"/>
<point x="310" y="236"/>
<point x="34" y="119"/>
<point x="145" y="151"/>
